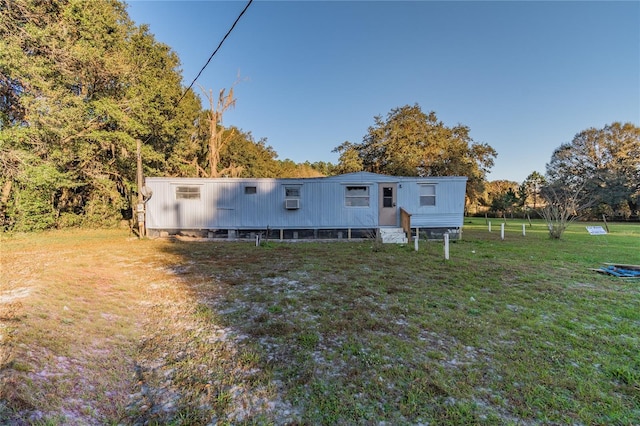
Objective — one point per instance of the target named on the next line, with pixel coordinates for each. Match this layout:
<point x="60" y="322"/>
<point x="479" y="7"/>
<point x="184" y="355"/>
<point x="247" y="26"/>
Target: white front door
<point x="387" y="210"/>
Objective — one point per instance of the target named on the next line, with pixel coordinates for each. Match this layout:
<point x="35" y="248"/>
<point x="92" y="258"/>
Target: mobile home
<point x="352" y="205"/>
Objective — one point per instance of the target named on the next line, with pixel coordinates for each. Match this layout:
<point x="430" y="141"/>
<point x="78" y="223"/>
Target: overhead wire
<point x="208" y="60"/>
<point x="213" y="54"/>
<point x="141" y="184"/>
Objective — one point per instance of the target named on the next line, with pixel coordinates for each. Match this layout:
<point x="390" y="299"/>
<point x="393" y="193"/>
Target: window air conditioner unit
<point x="292" y="204"/>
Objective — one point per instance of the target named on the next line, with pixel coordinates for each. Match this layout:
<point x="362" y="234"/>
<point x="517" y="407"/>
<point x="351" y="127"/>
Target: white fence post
<point x="489" y="226"/>
<point x="502" y="231"/>
<point x="524" y="232"/>
<point x="446" y="246"/>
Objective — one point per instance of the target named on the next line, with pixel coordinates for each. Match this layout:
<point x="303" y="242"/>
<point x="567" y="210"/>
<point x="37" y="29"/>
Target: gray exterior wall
<point x="223" y="203"/>
<point x="449" y="209"/>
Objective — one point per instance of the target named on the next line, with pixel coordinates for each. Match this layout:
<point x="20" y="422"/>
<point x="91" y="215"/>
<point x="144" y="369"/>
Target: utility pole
<point x="140" y="183"/>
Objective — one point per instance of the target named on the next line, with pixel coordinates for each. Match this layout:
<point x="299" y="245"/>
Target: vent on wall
<point x="292" y="204"/>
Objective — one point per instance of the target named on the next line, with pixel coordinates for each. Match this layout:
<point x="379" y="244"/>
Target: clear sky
<point x="524" y="76"/>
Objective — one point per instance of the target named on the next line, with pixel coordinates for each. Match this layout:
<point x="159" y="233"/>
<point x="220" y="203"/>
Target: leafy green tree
<point x="505" y="203"/>
<point x="323" y="167"/>
<point x="411" y="143"/>
<point x="252" y="159"/>
<point x="598" y="167"/>
<point x="187" y="155"/>
<point x="63" y="64"/>
<point x="604" y="164"/>
<point x="81" y="88"/>
<point x="290" y="169"/>
<point x="501" y="196"/>
<point x="350" y="160"/>
<point x="529" y="190"/>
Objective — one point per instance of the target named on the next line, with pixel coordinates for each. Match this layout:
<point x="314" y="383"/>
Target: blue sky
<point x="524" y="76"/>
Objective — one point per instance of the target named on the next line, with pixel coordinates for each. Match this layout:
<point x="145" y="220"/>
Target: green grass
<point x="519" y="331"/>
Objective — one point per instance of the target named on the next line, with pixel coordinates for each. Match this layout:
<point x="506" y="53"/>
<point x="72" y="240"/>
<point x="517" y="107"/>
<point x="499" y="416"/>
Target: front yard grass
<point x="518" y="331"/>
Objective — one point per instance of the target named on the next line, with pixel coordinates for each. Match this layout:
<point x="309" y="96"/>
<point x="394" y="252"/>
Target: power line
<point x="139" y="175"/>
<point x="213" y="54"/>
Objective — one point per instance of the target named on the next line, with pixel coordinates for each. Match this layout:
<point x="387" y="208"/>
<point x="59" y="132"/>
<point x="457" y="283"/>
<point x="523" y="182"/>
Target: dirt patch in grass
<point x="100" y="328"/>
<point x="67" y="347"/>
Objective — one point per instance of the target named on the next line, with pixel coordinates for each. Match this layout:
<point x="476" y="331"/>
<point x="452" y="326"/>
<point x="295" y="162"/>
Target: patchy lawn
<point x="96" y="328"/>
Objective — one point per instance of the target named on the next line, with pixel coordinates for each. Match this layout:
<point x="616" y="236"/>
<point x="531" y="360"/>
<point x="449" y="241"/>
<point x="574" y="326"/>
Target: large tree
<point x="411" y="143"/>
<point x="529" y="190"/>
<point x="501" y="196"/>
<point x="248" y="157"/>
<point x="62" y="66"/>
<point x="80" y="88"/>
<point x="603" y="164"/>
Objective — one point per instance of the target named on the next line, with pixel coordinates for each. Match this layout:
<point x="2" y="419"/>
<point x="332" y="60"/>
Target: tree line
<point x="84" y="93"/>
<point x="597" y="173"/>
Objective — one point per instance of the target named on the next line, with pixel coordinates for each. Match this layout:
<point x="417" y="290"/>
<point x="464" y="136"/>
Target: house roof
<point x="355" y="177"/>
<point x="377" y="177"/>
<point x="361" y="176"/>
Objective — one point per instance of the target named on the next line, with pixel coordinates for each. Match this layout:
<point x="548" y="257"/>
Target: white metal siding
<point x="224" y="205"/>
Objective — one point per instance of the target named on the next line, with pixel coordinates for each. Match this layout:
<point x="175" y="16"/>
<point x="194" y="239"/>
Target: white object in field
<point x="446" y="246"/>
<point x="596" y="230"/>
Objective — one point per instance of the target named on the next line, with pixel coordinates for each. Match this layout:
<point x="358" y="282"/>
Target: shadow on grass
<point x="339" y="331"/>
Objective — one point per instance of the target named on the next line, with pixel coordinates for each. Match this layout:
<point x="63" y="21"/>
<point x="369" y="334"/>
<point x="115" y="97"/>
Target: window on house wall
<point x="428" y="195"/>
<point x="387" y="196"/>
<point x="356" y="196"/>
<point x="249" y="190"/>
<point x="292" y="197"/>
<point x="187" y="192"/>
<point x="292" y="191"/>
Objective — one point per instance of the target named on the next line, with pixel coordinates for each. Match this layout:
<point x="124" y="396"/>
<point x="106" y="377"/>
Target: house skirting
<point x="300" y="233"/>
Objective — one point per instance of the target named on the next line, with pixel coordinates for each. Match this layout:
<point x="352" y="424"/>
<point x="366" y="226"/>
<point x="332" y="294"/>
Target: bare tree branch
<point x="564" y="204"/>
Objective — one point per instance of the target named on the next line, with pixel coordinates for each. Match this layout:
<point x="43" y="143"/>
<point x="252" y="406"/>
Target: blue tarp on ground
<point x="620" y="271"/>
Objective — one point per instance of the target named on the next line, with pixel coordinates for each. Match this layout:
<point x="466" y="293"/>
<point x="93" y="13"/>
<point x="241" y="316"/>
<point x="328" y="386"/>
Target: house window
<point x="427" y="195"/>
<point x="292" y="191"/>
<point x="387" y="196"/>
<point x="187" y="192"/>
<point x="356" y="196"/>
<point x="249" y="190"/>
